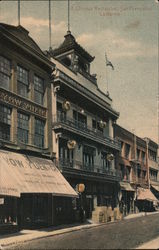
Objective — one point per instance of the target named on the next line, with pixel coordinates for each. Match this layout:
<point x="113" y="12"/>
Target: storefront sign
<point x="1" y="201"/>
<point x="21" y="173"/>
<point x="18" y="102"/>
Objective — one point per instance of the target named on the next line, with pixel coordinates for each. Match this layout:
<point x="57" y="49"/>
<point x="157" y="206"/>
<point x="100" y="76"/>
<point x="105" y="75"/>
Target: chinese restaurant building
<point x="33" y="192"/>
<point x="83" y="120"/>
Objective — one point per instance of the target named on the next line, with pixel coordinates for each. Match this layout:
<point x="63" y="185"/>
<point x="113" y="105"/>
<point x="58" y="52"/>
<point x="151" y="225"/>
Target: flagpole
<point x="106" y="74"/>
<point x="18" y="12"/>
<point x="49" y="24"/>
<point x="68" y="24"/>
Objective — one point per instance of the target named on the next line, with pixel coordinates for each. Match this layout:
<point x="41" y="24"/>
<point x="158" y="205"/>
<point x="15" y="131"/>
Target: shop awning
<point x="126" y="186"/>
<point x="21" y="173"/>
<point x="155" y="187"/>
<point x="145" y="194"/>
<point x="124" y="161"/>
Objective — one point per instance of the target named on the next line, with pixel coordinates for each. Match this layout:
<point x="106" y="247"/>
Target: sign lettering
<point x="18" y="102"/>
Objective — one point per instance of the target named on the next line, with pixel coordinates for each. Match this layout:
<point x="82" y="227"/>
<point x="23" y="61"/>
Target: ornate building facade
<point x="83" y="123"/>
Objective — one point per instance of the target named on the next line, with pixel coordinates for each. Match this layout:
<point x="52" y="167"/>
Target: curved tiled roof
<point x="70" y="43"/>
<point x="22" y="34"/>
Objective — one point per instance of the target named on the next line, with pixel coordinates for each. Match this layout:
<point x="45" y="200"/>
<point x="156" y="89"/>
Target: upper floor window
<point x="152" y="155"/>
<point x="153" y="174"/>
<point x="105" y="162"/>
<point x="88" y="157"/>
<point x="5" y="72"/>
<point x="22" y="81"/>
<point x="38" y="89"/>
<point x="5" y="121"/>
<point x="125" y="173"/>
<point x="96" y="125"/>
<point x="80" y="119"/>
<point x="127" y="150"/>
<point x="23" y="127"/>
<point x="39" y="133"/>
<point x="60" y="112"/>
<point x="138" y="154"/>
<point x="66" y="156"/>
<point x="143" y="156"/>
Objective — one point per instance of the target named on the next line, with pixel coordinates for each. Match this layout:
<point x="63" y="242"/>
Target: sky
<point x="127" y="30"/>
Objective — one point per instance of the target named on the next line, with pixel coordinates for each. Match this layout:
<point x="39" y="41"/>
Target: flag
<point x="108" y="63"/>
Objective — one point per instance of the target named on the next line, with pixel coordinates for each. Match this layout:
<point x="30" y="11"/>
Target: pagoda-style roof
<point x="69" y="44"/>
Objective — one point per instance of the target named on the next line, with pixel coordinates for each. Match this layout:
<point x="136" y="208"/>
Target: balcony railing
<point x="78" y="166"/>
<point x="61" y="119"/>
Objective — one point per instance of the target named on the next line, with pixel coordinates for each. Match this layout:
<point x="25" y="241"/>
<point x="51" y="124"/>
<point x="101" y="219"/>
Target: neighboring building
<point x="153" y="164"/>
<point x="134" y="165"/>
<point x="83" y="123"/>
<point x="27" y="176"/>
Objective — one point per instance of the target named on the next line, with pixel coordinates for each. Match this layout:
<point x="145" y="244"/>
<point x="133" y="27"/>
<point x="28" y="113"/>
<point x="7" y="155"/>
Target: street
<point x="124" y="234"/>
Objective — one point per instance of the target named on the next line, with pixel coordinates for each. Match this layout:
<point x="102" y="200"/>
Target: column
<point x="13" y="85"/>
<point x="111" y="132"/>
<point x="14" y="124"/>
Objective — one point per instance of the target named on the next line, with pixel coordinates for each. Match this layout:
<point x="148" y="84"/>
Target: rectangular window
<point x="23" y="127"/>
<point x="88" y="157"/>
<point x="5" y="72"/>
<point x="61" y="114"/>
<point x="66" y="156"/>
<point x="127" y="150"/>
<point x="38" y="89"/>
<point x="5" y="121"/>
<point x="143" y="156"/>
<point x="138" y="154"/>
<point x="152" y="155"/>
<point x="22" y="81"/>
<point x="80" y="119"/>
<point x="105" y="162"/>
<point x="153" y="174"/>
<point x="39" y="133"/>
<point x="96" y="126"/>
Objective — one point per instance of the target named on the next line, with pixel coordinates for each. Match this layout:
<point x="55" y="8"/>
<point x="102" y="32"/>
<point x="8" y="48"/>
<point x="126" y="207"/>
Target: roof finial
<point x="18" y="12"/>
<point x="68" y="31"/>
<point x="50" y="25"/>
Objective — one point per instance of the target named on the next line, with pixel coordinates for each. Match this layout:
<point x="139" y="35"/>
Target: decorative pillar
<point x="111" y="132"/>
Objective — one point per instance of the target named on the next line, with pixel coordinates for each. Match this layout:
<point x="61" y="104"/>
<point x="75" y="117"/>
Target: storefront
<point x="146" y="201"/>
<point x="126" y="199"/>
<point x="33" y="192"/>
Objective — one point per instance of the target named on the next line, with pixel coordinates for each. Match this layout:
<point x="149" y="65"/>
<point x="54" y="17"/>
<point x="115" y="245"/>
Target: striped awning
<point x="126" y="186"/>
<point x="145" y="194"/>
<point x="155" y="187"/>
<point x="21" y="173"/>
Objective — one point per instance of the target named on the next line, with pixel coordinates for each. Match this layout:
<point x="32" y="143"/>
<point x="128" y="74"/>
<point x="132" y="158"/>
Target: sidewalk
<point x="28" y="235"/>
<point x="153" y="244"/>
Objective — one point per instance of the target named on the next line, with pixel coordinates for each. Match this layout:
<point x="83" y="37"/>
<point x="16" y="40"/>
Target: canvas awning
<point x="155" y="187"/>
<point x="145" y="194"/>
<point x="21" y="173"/>
<point x="124" y="161"/>
<point x="126" y="186"/>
